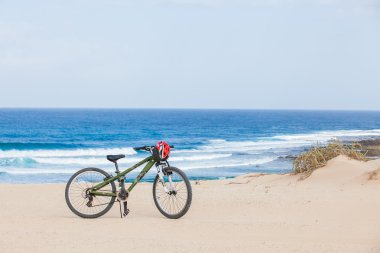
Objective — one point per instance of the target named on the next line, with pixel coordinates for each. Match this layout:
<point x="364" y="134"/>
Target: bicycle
<point x="91" y="192"/>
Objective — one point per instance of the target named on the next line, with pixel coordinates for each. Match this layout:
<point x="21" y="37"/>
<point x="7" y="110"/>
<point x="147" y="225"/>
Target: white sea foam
<point x="286" y="141"/>
<point x="199" y="157"/>
<point x="328" y="135"/>
<point x="244" y="146"/>
<point x="66" y="153"/>
<point x="217" y="153"/>
<point x="82" y="161"/>
<point x="128" y="160"/>
<point x="183" y="166"/>
<point x="233" y="163"/>
<point x="17" y="171"/>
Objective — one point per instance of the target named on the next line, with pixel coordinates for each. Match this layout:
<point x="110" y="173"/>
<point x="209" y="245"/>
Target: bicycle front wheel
<point x="174" y="201"/>
<point x="80" y="201"/>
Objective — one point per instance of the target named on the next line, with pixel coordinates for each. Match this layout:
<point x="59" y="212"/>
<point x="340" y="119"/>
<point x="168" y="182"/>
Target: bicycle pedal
<point x="126" y="212"/>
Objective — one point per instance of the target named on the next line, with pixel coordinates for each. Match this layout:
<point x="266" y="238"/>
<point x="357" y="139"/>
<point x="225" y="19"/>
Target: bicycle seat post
<point x="117" y="168"/>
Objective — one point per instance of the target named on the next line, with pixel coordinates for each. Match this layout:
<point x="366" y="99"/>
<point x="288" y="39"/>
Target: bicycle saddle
<point x="114" y="158"/>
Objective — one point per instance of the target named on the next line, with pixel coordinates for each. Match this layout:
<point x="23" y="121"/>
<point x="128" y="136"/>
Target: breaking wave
<point x="214" y="153"/>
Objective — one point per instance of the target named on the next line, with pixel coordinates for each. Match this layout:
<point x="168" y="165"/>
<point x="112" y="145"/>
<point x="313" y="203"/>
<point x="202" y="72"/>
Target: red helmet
<point x="163" y="150"/>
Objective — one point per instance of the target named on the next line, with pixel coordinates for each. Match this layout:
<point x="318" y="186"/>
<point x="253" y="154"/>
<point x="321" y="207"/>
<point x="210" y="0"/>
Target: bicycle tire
<point x="186" y="206"/>
<point x="69" y="196"/>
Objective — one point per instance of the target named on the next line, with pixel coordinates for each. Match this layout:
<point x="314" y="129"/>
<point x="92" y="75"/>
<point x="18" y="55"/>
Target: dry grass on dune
<point x="318" y="156"/>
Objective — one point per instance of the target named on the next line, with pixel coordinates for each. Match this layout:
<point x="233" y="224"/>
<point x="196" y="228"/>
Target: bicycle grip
<point x="140" y="148"/>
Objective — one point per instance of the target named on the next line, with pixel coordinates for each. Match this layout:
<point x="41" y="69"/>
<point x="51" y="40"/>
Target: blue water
<point x="48" y="145"/>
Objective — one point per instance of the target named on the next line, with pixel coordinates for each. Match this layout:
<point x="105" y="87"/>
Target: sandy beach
<point x="336" y="209"/>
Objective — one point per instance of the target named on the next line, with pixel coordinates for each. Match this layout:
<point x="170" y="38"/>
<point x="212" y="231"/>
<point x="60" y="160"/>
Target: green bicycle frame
<point x="150" y="162"/>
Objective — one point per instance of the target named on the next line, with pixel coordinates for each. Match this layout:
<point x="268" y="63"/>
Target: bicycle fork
<point x="160" y="173"/>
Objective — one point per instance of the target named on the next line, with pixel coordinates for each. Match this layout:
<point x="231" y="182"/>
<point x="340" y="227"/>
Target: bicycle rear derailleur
<point x="122" y="197"/>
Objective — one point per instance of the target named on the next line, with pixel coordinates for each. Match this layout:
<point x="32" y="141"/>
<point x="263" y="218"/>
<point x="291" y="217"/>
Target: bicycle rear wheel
<point x="80" y="201"/>
<point x="175" y="202"/>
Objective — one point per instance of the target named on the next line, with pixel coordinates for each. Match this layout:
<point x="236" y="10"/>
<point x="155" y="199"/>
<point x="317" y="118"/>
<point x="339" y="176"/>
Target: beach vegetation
<point x="319" y="155"/>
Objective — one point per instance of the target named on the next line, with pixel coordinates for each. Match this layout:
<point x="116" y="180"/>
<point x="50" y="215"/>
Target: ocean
<point x="49" y="145"/>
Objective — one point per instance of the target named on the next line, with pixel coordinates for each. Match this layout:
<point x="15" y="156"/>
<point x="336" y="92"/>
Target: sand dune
<point x="343" y="171"/>
<point x="336" y="209"/>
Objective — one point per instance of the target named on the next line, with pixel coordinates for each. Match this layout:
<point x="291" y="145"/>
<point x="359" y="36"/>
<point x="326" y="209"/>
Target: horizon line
<point x="188" y="108"/>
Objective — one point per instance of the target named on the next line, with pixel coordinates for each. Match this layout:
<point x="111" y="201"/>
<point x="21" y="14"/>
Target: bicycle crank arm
<point x="125" y="211"/>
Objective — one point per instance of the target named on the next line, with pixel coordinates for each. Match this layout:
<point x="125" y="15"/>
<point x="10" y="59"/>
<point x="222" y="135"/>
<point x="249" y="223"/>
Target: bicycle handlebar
<point x="148" y="148"/>
<point x="141" y="148"/>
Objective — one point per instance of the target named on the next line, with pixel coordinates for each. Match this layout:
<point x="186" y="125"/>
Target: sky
<point x="248" y="54"/>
